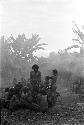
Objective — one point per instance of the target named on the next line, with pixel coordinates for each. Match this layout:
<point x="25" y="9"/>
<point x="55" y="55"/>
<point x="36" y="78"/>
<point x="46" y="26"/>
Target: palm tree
<point x="79" y="39"/>
<point x="23" y="48"/>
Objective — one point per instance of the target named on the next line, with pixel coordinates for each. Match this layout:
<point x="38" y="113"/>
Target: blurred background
<point x="49" y="33"/>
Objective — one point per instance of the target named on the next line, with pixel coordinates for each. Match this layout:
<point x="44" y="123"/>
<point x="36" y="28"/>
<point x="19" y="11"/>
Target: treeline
<point x="19" y="54"/>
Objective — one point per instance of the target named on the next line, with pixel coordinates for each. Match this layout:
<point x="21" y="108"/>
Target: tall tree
<point x="79" y="40"/>
<point x="23" y="48"/>
<point x="79" y="44"/>
<point x="17" y="55"/>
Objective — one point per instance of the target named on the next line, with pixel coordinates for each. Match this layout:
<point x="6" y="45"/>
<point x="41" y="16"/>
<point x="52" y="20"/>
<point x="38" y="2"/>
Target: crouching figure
<point x="26" y="96"/>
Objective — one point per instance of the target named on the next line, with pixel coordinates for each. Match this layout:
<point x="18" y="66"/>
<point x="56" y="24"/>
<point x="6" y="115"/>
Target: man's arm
<point x="39" y="76"/>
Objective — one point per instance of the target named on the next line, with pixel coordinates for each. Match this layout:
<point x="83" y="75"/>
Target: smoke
<point x="72" y="63"/>
<point x="70" y="67"/>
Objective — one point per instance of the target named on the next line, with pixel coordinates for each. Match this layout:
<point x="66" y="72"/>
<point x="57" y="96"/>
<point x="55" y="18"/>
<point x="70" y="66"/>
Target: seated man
<point x="51" y="88"/>
<point x="14" y="102"/>
<point x="11" y="92"/>
<point x="26" y="95"/>
<point x="48" y="82"/>
<point x="17" y="89"/>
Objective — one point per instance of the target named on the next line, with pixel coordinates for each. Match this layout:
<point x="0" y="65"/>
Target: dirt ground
<point x="67" y="111"/>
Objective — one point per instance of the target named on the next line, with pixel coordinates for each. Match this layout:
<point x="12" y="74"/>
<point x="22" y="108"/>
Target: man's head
<point x="35" y="67"/>
<point x="55" y="72"/>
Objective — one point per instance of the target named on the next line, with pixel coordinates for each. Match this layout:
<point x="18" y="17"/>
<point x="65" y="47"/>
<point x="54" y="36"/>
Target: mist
<point x="17" y="62"/>
<point x="28" y="27"/>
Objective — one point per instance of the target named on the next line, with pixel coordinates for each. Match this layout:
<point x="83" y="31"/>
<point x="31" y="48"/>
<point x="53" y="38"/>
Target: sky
<point x="51" y="19"/>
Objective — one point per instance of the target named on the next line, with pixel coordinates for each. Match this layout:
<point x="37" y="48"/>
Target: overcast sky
<point x="51" y="19"/>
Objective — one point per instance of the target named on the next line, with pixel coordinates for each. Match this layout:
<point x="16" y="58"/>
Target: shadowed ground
<point x="65" y="112"/>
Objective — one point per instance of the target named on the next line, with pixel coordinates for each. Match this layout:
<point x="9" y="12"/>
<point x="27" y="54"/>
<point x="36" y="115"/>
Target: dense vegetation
<point x="18" y="55"/>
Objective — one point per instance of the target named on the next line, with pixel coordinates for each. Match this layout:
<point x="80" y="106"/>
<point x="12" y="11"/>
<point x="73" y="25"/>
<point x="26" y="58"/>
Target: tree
<point x="17" y="56"/>
<point x="23" y="48"/>
<point x="79" y="39"/>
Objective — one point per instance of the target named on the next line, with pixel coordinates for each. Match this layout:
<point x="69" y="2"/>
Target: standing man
<point x="35" y="79"/>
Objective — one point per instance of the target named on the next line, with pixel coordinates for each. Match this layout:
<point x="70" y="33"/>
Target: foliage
<point x="79" y="39"/>
<point x="17" y="55"/>
<point x="24" y="48"/>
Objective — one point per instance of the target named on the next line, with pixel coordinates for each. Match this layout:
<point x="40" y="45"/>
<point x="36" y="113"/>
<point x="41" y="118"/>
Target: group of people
<point x="30" y="91"/>
<point x="48" y="87"/>
<point x="36" y="81"/>
<point x="35" y="78"/>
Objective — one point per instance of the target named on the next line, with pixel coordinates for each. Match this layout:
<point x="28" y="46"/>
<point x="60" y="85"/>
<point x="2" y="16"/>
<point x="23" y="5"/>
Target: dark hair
<point x="35" y="66"/>
<point x="55" y="71"/>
